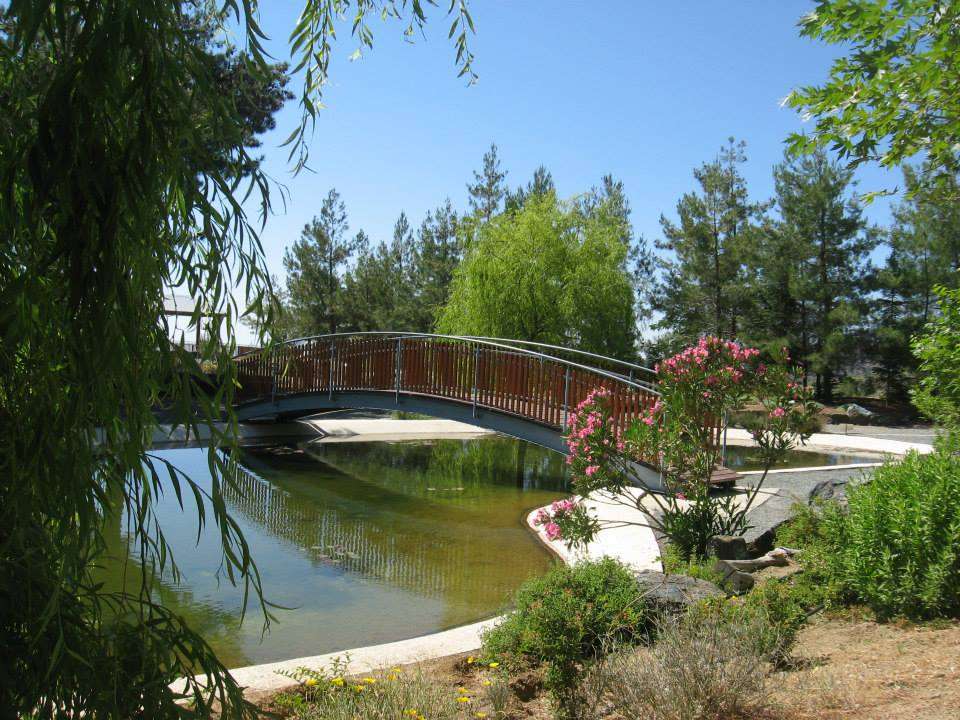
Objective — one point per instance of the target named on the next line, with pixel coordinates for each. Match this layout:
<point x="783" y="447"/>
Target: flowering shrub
<point x="571" y="514"/>
<point x="699" y="387"/>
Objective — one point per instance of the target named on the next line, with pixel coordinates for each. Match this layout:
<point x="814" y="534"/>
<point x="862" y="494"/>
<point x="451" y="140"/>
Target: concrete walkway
<point x="340" y="430"/>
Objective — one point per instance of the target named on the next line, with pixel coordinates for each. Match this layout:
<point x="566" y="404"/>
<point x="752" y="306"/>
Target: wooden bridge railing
<point x="497" y="375"/>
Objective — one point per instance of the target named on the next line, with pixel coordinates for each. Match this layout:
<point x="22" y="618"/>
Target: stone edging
<point x="259" y="681"/>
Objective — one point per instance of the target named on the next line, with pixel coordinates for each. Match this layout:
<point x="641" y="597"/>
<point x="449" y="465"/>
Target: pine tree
<point x="438" y="252"/>
<point x="488" y="189"/>
<point x="704" y="286"/>
<point x="540" y="184"/>
<point x="827" y="248"/>
<point x="315" y="267"/>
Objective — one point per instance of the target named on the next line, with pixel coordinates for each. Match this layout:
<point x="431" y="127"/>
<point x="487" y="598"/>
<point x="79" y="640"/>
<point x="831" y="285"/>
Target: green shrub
<point x="803" y="529"/>
<point x="937" y="395"/>
<point x="776" y="609"/>
<point x="897" y="549"/>
<point x="565" y="618"/>
<point x="674" y="564"/>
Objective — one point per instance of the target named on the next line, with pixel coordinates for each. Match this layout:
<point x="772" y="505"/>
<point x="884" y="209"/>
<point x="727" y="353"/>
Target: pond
<point x="368" y="542"/>
<point x="741" y="457"/>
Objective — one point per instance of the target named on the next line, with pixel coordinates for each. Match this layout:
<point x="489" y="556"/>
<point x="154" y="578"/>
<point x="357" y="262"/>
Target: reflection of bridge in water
<point x="421" y="547"/>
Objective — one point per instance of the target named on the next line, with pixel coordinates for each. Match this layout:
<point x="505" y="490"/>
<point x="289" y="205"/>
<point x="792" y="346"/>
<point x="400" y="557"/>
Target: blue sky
<point x="643" y="90"/>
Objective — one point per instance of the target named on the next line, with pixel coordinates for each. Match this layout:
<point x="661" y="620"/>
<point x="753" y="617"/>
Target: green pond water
<point x="367" y="542"/>
<point x="745" y="458"/>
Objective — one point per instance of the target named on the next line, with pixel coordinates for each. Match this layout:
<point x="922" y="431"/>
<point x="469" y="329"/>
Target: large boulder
<point x="727" y="547"/>
<point x="833" y="490"/>
<point x="674" y="593"/>
<point x="732" y="578"/>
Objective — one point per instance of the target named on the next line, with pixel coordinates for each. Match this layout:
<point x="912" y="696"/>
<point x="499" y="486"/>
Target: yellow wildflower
<point x="494" y="664"/>
<point x="358" y="688"/>
<point x="480" y="715"/>
<point x="337" y="681"/>
<point x="369" y="680"/>
<point x="411" y="712"/>
<point x="310" y="682"/>
<point x="463" y="699"/>
<point x="392" y="676"/>
<point x="486" y="683"/>
<point x="470" y="660"/>
<point x="462" y="690"/>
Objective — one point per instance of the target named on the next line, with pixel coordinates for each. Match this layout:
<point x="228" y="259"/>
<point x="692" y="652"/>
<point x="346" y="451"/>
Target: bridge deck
<point x="490" y="383"/>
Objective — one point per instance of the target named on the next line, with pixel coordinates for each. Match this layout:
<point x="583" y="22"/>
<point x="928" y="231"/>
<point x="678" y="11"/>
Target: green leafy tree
<point x="924" y="253"/>
<point x="488" y="189"/>
<point x="316" y="264"/>
<point x="893" y="95"/>
<point x="704" y="286"/>
<point x="113" y="196"/>
<point x="826" y="248"/>
<point x="550" y="273"/>
<point x="938" y="393"/>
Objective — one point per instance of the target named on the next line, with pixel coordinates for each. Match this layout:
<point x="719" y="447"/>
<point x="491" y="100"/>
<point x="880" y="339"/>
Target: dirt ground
<point x="850" y="668"/>
<point x="846" y="667"/>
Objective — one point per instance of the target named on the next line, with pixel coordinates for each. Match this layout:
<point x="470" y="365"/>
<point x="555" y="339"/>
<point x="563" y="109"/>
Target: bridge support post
<point x="476" y="375"/>
<point x="333" y="352"/>
<point x="273" y="378"/>
<point x="566" y="397"/>
<point x="396" y="370"/>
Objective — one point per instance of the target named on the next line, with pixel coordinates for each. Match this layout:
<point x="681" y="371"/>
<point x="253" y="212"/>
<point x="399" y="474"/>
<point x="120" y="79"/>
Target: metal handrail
<point x="497" y="343"/>
<point x="573" y="351"/>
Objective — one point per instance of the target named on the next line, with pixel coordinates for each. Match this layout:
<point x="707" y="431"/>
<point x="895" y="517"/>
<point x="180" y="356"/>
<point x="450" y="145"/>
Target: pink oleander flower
<point x="542" y="517"/>
<point x="778" y="412"/>
<point x="591" y="470"/>
<point x="552" y="530"/>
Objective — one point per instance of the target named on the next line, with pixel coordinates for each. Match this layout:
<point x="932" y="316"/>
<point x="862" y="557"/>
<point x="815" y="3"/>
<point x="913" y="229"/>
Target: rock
<point x="727" y="547"/>
<point x="673" y="593"/>
<point x="762" y="543"/>
<point x="778" y="557"/>
<point x="733" y="579"/>
<point x="834" y="490"/>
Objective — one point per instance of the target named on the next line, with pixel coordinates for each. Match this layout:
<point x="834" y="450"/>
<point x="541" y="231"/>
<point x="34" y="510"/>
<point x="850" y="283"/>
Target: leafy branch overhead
<point x="894" y="95"/>
<point x="316" y="30"/>
<point x="127" y="167"/>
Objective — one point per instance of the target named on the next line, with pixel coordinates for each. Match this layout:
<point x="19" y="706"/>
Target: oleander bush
<point x="897" y="548"/>
<point x="565" y="618"/>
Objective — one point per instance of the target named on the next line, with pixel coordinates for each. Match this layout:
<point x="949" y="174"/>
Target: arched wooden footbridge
<point x="523" y="389"/>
